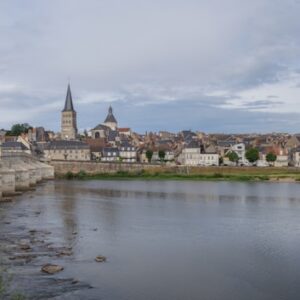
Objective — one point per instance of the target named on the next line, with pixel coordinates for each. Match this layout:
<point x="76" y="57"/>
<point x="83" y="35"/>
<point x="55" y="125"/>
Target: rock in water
<point x="51" y="269"/>
<point x="25" y="245"/>
<point x="100" y="258"/>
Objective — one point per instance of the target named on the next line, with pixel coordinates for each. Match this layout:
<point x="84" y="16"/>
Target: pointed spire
<point x="69" y="101"/>
<point x="110" y="117"/>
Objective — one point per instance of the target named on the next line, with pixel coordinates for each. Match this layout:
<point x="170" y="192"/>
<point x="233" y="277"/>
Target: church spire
<point x="69" y="101"/>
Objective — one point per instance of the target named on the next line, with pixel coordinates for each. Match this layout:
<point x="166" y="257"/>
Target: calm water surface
<point x="175" y="240"/>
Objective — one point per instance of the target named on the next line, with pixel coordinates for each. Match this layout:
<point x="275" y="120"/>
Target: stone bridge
<point x="20" y="172"/>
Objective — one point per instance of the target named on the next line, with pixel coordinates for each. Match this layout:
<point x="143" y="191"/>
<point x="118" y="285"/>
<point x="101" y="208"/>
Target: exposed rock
<point x="65" y="252"/>
<point x="51" y="269"/>
<point x="24" y="245"/>
<point x="6" y="199"/>
<point x="100" y="258"/>
<point x="75" y="281"/>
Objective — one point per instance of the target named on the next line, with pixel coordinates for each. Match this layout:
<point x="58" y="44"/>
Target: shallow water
<point x="171" y="239"/>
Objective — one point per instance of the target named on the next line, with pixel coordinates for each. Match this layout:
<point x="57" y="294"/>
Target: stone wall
<point x="20" y="172"/>
<point x="91" y="167"/>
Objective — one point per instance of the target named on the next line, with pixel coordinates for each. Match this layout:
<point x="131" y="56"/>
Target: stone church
<point x="68" y="119"/>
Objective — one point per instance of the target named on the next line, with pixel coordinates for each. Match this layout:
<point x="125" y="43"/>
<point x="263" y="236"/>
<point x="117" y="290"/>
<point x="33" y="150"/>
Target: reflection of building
<point x="67" y="150"/>
<point x="68" y="119"/>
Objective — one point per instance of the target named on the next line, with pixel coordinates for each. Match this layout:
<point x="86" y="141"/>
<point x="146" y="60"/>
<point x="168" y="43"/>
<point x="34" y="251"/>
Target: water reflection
<point x="179" y="240"/>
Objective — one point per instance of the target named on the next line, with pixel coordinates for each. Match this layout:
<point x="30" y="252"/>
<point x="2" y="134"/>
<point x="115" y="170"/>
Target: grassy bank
<point x="209" y="176"/>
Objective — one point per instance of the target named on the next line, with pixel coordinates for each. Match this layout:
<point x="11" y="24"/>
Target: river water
<point x="170" y="239"/>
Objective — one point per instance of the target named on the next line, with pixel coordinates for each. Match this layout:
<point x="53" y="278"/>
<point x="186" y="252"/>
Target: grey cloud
<point x="164" y="56"/>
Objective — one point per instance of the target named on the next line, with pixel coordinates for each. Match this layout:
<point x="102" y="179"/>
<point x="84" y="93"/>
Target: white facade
<point x="296" y="159"/>
<point x="281" y="161"/>
<point x="194" y="157"/>
<point x="240" y="150"/>
<point x="128" y="154"/>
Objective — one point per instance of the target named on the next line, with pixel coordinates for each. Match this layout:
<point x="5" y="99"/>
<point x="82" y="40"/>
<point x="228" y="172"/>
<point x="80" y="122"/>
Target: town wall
<point x="92" y="168"/>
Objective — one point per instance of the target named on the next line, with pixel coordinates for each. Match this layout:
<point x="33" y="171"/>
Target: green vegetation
<point x="149" y="154"/>
<point x="232" y="156"/>
<point x="4" y="284"/>
<point x="18" y="129"/>
<point x="204" y="174"/>
<point x="271" y="157"/>
<point x="161" y="155"/>
<point x="252" y="155"/>
<point x="164" y="176"/>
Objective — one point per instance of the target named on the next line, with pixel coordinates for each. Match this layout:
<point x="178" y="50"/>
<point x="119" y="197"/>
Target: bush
<point x="81" y="175"/>
<point x="69" y="175"/>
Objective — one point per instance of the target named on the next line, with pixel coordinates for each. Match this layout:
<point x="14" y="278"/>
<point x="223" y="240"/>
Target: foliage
<point x="221" y="160"/>
<point x="149" y="154"/>
<point x="252" y="155"/>
<point x="4" y="285"/>
<point x="18" y="129"/>
<point x="271" y="157"/>
<point x="161" y="154"/>
<point x="233" y="157"/>
<point x="69" y="175"/>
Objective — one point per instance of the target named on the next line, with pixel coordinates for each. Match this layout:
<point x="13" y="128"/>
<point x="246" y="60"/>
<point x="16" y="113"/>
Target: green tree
<point x="161" y="155"/>
<point x="271" y="157"/>
<point x="252" y="155"/>
<point x="233" y="157"/>
<point x="149" y="154"/>
<point x="18" y="129"/>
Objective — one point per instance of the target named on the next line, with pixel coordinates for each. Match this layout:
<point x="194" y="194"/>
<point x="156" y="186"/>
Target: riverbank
<point x="127" y="171"/>
<point x="283" y="175"/>
<point x="26" y="245"/>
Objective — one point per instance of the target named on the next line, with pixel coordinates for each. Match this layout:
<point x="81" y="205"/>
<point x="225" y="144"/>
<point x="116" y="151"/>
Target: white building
<point x="296" y="157"/>
<point x="192" y="155"/>
<point x="127" y="152"/>
<point x="240" y="150"/>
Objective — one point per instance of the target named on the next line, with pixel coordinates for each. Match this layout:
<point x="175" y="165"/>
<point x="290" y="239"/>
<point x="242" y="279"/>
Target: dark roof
<point x="63" y="144"/>
<point x="126" y="144"/>
<point x="110" y="117"/>
<point x="69" y="101"/>
<point x="101" y="127"/>
<point x="113" y="134"/>
<point x="107" y="150"/>
<point x="193" y="144"/>
<point x="14" y="145"/>
<point x="222" y="143"/>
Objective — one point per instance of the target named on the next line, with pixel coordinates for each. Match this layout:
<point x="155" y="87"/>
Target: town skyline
<point x="210" y="66"/>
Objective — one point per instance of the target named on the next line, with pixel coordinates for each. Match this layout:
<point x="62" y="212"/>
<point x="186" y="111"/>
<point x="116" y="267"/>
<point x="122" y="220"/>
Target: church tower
<point x="110" y="120"/>
<point x="68" y="119"/>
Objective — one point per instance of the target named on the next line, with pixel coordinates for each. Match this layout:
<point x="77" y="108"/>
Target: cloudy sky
<point x="209" y="65"/>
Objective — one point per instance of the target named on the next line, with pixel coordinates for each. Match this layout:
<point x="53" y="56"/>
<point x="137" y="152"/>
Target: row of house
<point x="107" y="142"/>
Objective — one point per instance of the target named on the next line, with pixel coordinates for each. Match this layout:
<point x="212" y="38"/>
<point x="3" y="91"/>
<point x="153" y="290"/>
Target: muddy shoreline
<point x="25" y="249"/>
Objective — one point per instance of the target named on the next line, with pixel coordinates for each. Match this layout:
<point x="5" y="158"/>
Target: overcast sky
<point x="208" y="65"/>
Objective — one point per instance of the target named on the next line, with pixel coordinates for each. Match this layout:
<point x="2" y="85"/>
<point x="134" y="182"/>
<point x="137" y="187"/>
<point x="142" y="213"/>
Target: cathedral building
<point x="68" y="119"/>
<point x="110" y="120"/>
<point x="104" y="130"/>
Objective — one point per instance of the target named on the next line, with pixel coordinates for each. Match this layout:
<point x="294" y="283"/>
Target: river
<point x="162" y="239"/>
